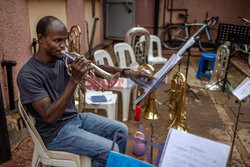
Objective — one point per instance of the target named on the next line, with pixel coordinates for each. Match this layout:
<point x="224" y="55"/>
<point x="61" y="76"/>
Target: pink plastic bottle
<point x="138" y="147"/>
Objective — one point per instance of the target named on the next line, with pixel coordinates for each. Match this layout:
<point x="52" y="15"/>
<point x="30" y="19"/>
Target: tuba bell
<point x="149" y="105"/>
<point x="140" y="49"/>
<point x="220" y="65"/>
<point x="177" y="100"/>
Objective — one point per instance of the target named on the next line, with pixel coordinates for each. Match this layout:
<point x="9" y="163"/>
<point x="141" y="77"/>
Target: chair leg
<point x="134" y="97"/>
<point x="35" y="159"/>
<point x="111" y="111"/>
<point x="125" y="104"/>
<point x="116" y="109"/>
<point x="85" y="161"/>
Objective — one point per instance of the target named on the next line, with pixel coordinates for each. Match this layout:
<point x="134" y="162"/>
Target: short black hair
<point x="43" y="23"/>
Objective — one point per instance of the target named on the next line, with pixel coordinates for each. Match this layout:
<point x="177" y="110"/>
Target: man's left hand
<point x="138" y="76"/>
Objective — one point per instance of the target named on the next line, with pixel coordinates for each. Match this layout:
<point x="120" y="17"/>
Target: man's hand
<point x="80" y="67"/>
<point x="139" y="77"/>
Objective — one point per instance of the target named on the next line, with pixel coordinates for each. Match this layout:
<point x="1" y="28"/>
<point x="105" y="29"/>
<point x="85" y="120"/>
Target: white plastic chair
<point x="152" y="60"/>
<point x="100" y="56"/>
<point x="120" y="50"/>
<point x="111" y="107"/>
<point x="50" y="158"/>
<point x="123" y="85"/>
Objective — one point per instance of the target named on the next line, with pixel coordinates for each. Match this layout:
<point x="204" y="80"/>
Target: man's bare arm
<point x="127" y="73"/>
<point x="52" y="111"/>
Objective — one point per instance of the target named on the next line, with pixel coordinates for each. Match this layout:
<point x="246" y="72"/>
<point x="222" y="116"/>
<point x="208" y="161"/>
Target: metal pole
<point x="235" y="133"/>
<point x="5" y="150"/>
<point x="9" y="65"/>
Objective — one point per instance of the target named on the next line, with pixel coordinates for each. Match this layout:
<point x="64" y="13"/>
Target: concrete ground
<point x="212" y="117"/>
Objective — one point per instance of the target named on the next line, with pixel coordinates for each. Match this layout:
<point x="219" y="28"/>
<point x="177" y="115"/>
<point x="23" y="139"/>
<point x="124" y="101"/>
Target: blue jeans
<point x="91" y="135"/>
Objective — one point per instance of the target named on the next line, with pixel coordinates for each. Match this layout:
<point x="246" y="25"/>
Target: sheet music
<point x="172" y="61"/>
<point x="243" y="90"/>
<point x="188" y="44"/>
<point x="186" y="150"/>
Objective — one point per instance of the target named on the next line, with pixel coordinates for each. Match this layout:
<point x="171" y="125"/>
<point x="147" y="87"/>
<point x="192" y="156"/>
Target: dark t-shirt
<point x="37" y="80"/>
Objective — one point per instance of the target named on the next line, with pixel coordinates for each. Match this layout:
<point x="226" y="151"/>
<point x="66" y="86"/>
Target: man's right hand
<point x="80" y="67"/>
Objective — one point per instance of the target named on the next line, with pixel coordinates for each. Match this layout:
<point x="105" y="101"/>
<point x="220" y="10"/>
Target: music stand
<point x="234" y="34"/>
<point x="188" y="86"/>
<point x="179" y="64"/>
<point x="234" y="135"/>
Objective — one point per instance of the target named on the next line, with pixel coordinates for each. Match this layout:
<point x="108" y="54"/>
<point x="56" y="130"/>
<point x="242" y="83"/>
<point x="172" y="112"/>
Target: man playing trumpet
<point x="47" y="91"/>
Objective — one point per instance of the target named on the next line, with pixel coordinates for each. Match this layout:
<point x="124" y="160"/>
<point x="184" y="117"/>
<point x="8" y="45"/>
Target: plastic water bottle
<point x="139" y="147"/>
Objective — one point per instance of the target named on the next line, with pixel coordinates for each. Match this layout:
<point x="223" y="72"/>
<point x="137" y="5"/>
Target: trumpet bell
<point x="112" y="81"/>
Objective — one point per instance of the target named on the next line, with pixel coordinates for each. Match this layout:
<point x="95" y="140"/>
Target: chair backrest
<point x="153" y="39"/>
<point x="120" y="50"/>
<point x="101" y="55"/>
<point x="29" y="122"/>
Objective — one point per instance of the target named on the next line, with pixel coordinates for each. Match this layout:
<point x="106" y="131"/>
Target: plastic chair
<point x="51" y="158"/>
<point x="152" y="60"/>
<point x="123" y="85"/>
<point x="120" y="50"/>
<point x="100" y="56"/>
<point x="111" y="107"/>
<point x="204" y="65"/>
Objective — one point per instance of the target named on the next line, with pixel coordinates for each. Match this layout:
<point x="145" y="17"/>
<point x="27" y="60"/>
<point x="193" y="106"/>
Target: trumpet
<point x="110" y="78"/>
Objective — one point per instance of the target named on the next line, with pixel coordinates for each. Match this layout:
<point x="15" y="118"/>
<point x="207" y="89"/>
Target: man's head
<point x="52" y="35"/>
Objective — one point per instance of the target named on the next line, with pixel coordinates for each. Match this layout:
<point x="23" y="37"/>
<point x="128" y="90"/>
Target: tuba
<point x="220" y="65"/>
<point x="75" y="39"/>
<point x="140" y="49"/>
<point x="177" y="100"/>
<point x="74" y="45"/>
<point x="149" y="105"/>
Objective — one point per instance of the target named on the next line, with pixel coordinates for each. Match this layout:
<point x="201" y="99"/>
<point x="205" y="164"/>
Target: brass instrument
<point x="140" y="49"/>
<point x="220" y="65"/>
<point x="111" y="78"/>
<point x="177" y="99"/>
<point x="74" y="45"/>
<point x="149" y="106"/>
<point x="74" y="40"/>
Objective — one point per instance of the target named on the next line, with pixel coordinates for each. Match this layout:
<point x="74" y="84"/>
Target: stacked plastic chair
<point x="152" y="60"/>
<point x="123" y="85"/>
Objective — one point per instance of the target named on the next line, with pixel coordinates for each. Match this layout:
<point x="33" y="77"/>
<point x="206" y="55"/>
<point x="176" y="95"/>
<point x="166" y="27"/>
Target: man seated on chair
<point x="47" y="91"/>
